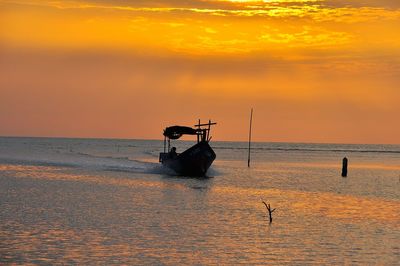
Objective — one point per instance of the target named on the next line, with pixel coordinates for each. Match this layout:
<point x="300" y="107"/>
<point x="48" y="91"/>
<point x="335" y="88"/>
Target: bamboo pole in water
<point x="251" y="120"/>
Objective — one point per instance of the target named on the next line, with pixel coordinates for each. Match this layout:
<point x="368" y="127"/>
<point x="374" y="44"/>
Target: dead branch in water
<point x="268" y="206"/>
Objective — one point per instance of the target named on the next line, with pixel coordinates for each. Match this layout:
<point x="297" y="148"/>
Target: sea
<point x="109" y="201"/>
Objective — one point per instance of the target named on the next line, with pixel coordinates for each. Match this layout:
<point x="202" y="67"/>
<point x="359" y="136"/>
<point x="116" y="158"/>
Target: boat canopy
<point x="175" y="132"/>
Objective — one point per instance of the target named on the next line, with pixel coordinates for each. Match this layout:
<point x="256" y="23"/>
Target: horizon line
<point x="245" y="141"/>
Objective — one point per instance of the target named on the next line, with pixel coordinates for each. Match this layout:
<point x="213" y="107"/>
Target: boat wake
<point x="92" y="162"/>
<point x="123" y="156"/>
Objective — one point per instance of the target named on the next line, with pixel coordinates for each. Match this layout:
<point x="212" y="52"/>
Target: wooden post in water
<point x="344" y="167"/>
<point x="251" y="120"/>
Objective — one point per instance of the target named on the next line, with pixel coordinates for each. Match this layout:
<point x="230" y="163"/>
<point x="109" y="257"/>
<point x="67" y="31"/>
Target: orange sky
<point x="314" y="71"/>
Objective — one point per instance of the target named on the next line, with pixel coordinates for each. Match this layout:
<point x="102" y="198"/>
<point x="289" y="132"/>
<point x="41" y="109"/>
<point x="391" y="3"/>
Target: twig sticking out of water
<point x="269" y="211"/>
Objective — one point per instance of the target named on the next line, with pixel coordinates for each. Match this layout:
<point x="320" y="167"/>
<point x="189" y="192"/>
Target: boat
<point x="194" y="161"/>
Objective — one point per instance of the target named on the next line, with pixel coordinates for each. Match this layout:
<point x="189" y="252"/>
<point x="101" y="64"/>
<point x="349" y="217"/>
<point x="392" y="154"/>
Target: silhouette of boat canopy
<point x="194" y="161"/>
<point x="175" y="132"/>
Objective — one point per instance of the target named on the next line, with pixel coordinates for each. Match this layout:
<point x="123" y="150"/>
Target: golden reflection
<point x="291" y="166"/>
<point x="351" y="208"/>
<point x="75" y="245"/>
<point x="28" y="168"/>
<point x="344" y="207"/>
<point x="310" y="203"/>
<point x="57" y="173"/>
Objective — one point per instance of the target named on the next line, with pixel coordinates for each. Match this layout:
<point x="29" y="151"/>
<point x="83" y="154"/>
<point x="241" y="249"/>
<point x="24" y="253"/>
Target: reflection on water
<point x="66" y="201"/>
<point x="57" y="214"/>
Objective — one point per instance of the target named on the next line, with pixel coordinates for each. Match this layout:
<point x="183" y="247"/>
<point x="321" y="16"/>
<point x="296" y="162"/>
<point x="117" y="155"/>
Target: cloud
<point x="387" y="4"/>
<point x="202" y="27"/>
<point x="318" y="10"/>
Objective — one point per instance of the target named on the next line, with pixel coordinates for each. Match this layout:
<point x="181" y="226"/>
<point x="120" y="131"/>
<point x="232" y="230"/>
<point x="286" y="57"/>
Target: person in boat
<point x="172" y="153"/>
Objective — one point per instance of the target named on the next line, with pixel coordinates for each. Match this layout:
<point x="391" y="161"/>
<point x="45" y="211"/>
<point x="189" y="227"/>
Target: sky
<point x="313" y="70"/>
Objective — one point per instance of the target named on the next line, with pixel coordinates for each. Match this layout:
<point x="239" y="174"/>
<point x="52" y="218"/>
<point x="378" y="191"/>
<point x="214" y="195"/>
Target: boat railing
<point x="202" y="131"/>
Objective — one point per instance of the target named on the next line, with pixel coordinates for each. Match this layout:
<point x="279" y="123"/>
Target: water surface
<point x="90" y="201"/>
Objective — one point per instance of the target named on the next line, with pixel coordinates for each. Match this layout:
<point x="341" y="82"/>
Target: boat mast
<point x="198" y="128"/>
<point x="251" y="120"/>
<point x="208" y="130"/>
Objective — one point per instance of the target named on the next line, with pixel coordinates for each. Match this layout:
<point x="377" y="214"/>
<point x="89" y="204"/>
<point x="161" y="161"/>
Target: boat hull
<point x="195" y="161"/>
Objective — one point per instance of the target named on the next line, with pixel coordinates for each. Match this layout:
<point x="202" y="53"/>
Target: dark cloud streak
<point x="389" y="4"/>
<point x="234" y="5"/>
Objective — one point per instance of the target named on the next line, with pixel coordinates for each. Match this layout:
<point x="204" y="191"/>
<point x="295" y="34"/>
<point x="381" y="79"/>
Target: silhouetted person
<point x="173" y="153"/>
